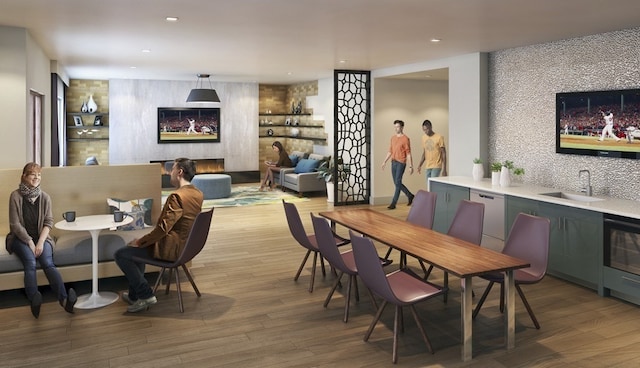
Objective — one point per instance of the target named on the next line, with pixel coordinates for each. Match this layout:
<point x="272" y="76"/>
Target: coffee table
<point x="94" y="224"/>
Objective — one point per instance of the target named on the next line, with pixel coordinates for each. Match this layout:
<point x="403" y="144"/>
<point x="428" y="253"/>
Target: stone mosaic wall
<point x="523" y="83"/>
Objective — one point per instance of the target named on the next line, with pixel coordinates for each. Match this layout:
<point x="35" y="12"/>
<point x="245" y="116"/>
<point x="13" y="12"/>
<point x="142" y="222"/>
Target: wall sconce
<point x="200" y="94"/>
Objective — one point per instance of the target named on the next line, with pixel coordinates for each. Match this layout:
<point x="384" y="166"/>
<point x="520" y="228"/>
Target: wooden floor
<point x="252" y="314"/>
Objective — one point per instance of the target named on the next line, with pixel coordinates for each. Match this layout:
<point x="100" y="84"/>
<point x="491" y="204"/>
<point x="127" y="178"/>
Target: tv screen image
<point x="599" y="123"/>
<point x="188" y="125"/>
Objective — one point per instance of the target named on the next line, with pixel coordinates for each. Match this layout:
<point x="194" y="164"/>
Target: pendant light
<point x="200" y="94"/>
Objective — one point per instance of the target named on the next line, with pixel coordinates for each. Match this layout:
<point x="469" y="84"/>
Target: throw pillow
<point x="139" y="209"/>
<point x="306" y="165"/>
<point x="294" y="160"/>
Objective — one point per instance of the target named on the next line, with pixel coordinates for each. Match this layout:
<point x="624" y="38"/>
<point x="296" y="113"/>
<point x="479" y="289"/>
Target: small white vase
<point x="505" y="177"/>
<point x="330" y="196"/>
<point x="91" y="105"/>
<point x="495" y="178"/>
<point x="477" y="172"/>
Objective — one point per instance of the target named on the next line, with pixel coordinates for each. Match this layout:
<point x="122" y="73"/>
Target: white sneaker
<point x="142" y="304"/>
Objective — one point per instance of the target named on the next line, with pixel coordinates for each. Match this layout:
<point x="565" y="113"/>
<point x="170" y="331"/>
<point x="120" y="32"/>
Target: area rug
<point x="243" y="195"/>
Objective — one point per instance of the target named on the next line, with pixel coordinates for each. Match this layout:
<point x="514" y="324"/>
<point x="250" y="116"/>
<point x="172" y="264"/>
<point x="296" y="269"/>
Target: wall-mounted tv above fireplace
<point x="599" y="123"/>
<point x="188" y="125"/>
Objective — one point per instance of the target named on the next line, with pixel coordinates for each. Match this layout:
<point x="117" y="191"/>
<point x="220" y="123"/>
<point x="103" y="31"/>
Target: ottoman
<point x="213" y="185"/>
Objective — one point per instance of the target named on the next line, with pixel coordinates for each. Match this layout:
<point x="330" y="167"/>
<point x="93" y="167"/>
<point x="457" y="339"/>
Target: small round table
<point x="93" y="224"/>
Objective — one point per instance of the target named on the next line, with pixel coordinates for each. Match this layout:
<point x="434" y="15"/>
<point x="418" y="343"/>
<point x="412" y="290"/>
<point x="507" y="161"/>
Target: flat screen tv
<point x="188" y="125"/>
<point x="599" y="123"/>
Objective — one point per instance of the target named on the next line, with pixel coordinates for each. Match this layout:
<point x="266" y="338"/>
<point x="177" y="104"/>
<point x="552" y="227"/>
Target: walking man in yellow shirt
<point x="434" y="155"/>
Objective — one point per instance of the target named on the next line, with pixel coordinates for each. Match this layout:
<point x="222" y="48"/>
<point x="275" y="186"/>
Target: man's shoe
<point x="125" y="297"/>
<point x="72" y="298"/>
<point x="36" y="303"/>
<point x="410" y="200"/>
<point x="392" y="207"/>
<point x="142" y="304"/>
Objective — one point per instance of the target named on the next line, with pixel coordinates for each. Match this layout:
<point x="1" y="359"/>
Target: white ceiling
<point x="265" y="40"/>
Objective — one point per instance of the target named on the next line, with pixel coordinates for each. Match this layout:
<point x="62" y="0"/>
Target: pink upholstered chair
<point x="421" y="213"/>
<point x="400" y="288"/>
<point x="528" y="240"/>
<point x="307" y="241"/>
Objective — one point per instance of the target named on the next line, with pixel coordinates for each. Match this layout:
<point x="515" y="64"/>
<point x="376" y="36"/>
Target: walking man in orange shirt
<point x="400" y="155"/>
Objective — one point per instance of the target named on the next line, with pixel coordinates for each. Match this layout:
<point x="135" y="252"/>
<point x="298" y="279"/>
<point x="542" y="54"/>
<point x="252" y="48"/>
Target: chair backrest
<point x="467" y="222"/>
<point x="529" y="240"/>
<point x="295" y="225"/>
<point x="423" y="209"/>
<point x="197" y="237"/>
<point x="369" y="267"/>
<point x="327" y="243"/>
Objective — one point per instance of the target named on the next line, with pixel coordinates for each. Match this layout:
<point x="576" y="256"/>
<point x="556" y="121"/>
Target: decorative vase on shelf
<point x="505" y="177"/>
<point x="84" y="107"/>
<point x="477" y="172"/>
<point x="91" y="105"/>
<point x="495" y="178"/>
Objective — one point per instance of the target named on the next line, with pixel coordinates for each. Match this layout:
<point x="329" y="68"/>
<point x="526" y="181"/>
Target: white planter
<point x="477" y="172"/>
<point x="330" y="197"/>
<point x="91" y="105"/>
<point x="505" y="177"/>
<point x="495" y="178"/>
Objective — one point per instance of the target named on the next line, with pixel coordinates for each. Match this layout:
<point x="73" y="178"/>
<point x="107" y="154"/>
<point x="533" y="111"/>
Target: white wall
<point x="133" y="123"/>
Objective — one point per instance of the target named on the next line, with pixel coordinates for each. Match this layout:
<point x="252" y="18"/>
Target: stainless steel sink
<point x="572" y="197"/>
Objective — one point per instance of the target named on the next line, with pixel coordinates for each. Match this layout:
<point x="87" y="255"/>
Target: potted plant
<point x="478" y="170"/>
<point x="496" y="167"/>
<point x="326" y="172"/>
<point x="507" y="169"/>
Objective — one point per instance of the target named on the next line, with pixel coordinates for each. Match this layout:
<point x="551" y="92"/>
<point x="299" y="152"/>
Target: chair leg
<point x="526" y="305"/>
<point x="347" y="300"/>
<point x="386" y="256"/>
<point x="324" y="272"/>
<point x="482" y="299"/>
<point x="333" y="289"/>
<point x="428" y="272"/>
<point x="396" y="323"/>
<point x="166" y="291"/>
<point x="304" y="261"/>
<point x="313" y="271"/>
<point x="355" y="284"/>
<point x="155" y="287"/>
<point x="195" y="288"/>
<point x="446" y="286"/>
<point x="179" y="290"/>
<point x="422" y="331"/>
<point x="373" y="300"/>
<point x="375" y="320"/>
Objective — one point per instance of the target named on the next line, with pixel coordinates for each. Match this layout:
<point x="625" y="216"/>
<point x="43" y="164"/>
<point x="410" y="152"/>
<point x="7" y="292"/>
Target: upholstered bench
<point x="213" y="185"/>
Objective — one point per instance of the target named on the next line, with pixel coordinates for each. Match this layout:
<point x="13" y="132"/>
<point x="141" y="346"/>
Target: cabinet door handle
<point x="630" y="279"/>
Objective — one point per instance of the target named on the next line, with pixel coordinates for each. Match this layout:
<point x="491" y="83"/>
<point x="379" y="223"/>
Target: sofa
<point x="303" y="177"/>
<point x="84" y="189"/>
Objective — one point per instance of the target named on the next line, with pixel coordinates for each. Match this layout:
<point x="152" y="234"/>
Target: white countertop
<point x="609" y="205"/>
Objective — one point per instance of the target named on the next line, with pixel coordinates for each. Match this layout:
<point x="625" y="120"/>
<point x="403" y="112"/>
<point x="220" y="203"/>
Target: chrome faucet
<point x="586" y="189"/>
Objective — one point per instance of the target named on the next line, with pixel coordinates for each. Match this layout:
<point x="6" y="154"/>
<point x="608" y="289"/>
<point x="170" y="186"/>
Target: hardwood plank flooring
<point x="252" y="314"/>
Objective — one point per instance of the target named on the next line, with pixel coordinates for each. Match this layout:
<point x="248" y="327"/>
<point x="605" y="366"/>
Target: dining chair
<point x="341" y="261"/>
<point x="195" y="242"/>
<point x="308" y="241"/>
<point x="421" y="213"/>
<point x="401" y="288"/>
<point x="528" y="240"/>
<point x="466" y="225"/>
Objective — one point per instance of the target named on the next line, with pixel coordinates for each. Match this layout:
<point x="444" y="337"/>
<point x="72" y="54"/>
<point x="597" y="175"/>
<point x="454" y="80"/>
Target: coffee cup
<point x="118" y="216"/>
<point x="70" y="216"/>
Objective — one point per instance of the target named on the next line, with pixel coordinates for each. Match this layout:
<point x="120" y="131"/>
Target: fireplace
<point x="209" y="166"/>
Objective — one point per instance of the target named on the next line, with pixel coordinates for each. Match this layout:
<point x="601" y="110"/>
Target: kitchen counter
<point x="607" y="205"/>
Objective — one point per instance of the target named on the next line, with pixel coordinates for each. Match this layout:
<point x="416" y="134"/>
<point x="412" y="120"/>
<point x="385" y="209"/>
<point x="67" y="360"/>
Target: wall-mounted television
<point x="599" y="123"/>
<point x="188" y="125"/>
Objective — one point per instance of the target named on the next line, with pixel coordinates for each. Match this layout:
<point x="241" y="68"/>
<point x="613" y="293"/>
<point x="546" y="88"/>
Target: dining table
<point x="94" y="224"/>
<point x="455" y="256"/>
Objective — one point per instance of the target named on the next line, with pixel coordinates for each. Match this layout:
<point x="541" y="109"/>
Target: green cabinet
<point x="446" y="203"/>
<point x="575" y="246"/>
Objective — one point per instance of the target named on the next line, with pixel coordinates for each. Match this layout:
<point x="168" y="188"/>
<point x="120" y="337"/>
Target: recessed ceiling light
<point x="171" y="19"/>
<point x="435" y="40"/>
<point x="132" y="67"/>
<point x="289" y="73"/>
<point x="344" y="61"/>
<point x="146" y="51"/>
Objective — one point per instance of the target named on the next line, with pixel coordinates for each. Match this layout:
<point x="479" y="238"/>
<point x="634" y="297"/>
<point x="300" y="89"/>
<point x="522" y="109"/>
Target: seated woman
<point x="30" y="220"/>
<point x="283" y="161"/>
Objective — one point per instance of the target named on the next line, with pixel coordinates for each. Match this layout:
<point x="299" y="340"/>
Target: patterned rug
<point x="243" y="195"/>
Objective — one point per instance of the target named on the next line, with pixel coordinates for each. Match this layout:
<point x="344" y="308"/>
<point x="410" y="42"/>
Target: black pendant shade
<point x="203" y="94"/>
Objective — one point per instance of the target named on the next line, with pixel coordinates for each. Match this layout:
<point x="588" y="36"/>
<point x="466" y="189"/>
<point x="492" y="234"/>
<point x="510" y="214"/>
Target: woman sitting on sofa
<point x="283" y="161"/>
<point x="30" y="220"/>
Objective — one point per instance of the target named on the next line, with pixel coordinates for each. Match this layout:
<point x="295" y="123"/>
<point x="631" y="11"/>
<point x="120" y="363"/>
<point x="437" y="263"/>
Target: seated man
<point x="167" y="240"/>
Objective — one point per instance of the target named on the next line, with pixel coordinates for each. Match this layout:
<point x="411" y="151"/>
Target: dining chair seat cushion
<point x="409" y="289"/>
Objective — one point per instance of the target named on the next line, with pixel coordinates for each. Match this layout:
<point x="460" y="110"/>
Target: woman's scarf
<point x="31" y="194"/>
